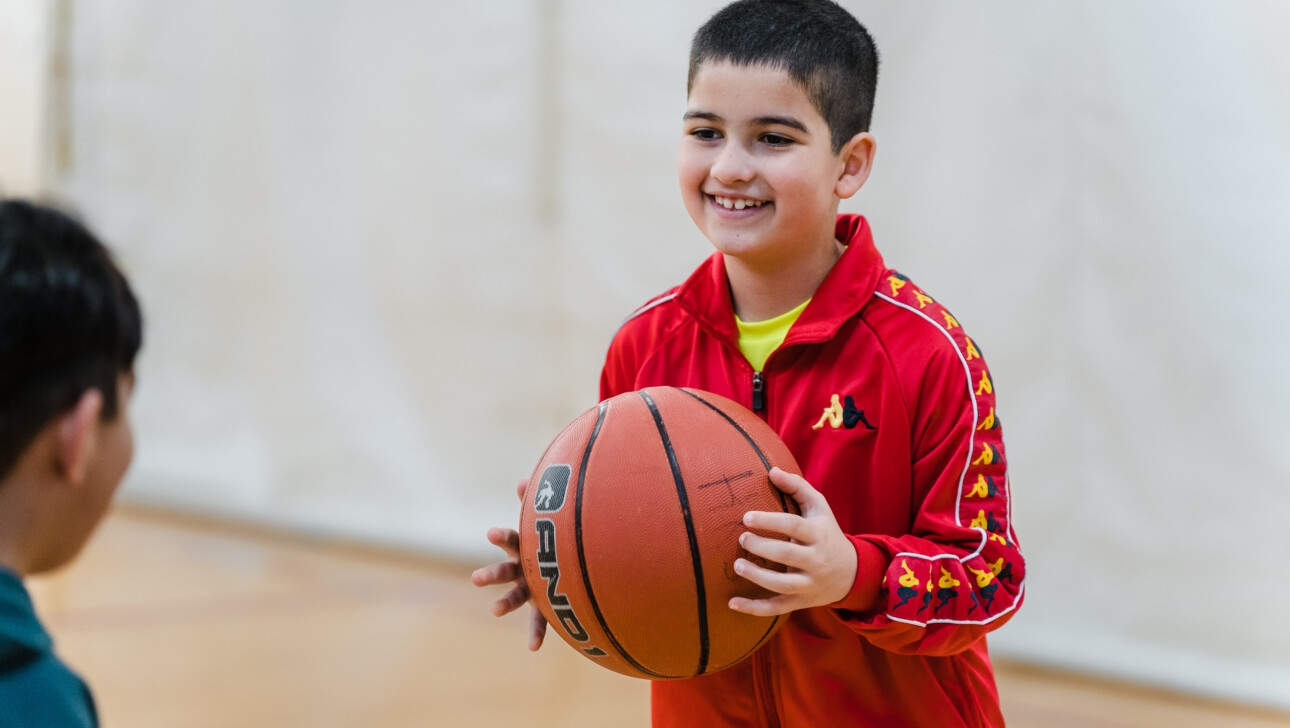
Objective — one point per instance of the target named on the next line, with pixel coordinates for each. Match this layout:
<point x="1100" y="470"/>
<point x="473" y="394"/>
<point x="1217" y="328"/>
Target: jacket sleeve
<point x="959" y="573"/>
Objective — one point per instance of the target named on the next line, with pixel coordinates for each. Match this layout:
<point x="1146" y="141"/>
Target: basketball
<point x="630" y="525"/>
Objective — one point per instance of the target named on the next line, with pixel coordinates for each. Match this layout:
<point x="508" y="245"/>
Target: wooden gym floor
<point x="181" y="622"/>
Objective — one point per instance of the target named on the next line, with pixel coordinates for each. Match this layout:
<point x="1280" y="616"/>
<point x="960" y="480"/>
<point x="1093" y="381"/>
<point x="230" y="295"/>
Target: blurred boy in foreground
<point x="69" y="331"/>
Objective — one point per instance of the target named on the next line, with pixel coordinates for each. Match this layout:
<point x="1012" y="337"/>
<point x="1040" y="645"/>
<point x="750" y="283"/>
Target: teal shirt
<point x="36" y="688"/>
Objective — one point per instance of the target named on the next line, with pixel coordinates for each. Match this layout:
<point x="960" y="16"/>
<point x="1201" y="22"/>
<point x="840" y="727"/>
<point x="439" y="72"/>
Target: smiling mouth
<point x="737" y="204"/>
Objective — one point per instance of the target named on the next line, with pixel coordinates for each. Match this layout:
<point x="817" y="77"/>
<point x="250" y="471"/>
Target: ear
<point x="78" y="436"/>
<point x="857" y="161"/>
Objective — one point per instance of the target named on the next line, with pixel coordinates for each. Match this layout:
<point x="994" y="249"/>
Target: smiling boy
<point x="904" y="555"/>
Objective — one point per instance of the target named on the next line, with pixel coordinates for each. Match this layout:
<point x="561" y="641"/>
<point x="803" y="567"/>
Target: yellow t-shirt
<point x="757" y="339"/>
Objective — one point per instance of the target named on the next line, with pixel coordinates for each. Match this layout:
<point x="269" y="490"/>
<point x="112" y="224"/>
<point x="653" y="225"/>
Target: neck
<point x="12" y="535"/>
<point x="23" y="524"/>
<point x="761" y="292"/>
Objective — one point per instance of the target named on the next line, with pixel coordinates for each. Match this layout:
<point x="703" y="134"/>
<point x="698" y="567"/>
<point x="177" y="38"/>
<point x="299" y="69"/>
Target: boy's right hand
<point x="504" y="572"/>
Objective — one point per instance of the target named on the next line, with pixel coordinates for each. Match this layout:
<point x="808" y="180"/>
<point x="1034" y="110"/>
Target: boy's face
<point x="756" y="166"/>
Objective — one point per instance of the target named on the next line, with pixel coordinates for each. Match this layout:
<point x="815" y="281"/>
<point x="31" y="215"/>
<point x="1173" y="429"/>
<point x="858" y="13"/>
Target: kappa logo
<point x="908" y="585"/>
<point x="551" y="488"/>
<point x="985" y="581"/>
<point x="839" y="415"/>
<point x="948" y="589"/>
<point x="984" y="488"/>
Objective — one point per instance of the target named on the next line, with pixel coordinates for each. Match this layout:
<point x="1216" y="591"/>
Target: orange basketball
<point x="630" y="525"/>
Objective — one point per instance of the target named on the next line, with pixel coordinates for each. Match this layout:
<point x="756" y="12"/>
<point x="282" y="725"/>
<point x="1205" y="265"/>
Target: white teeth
<point x="730" y="204"/>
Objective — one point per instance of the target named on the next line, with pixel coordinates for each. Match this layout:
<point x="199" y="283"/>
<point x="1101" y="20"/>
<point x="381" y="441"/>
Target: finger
<point x="514" y="599"/>
<point x="781" y="604"/>
<point x="790" y="524"/>
<point x="537" y="629"/>
<point x="796" y="486"/>
<point x="507" y="539"/>
<point x="776" y="581"/>
<point x="781" y="552"/>
<point x="499" y="573"/>
<point x="519" y="489"/>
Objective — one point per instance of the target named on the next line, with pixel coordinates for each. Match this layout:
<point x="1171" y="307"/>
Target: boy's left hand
<point x="821" y="560"/>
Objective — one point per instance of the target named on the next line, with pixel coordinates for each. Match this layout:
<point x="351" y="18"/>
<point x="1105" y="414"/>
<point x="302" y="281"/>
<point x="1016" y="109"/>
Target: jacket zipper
<point x="761" y="665"/>
<point x="764" y="690"/>
<point x="758" y="392"/>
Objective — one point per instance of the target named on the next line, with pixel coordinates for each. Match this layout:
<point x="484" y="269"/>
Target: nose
<point x="733" y="164"/>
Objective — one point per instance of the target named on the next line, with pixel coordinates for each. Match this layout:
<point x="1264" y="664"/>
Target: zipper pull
<point x="759" y="392"/>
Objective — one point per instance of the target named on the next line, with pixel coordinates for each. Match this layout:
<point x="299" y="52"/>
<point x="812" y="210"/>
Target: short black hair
<point x="821" y="46"/>
<point x="68" y="322"/>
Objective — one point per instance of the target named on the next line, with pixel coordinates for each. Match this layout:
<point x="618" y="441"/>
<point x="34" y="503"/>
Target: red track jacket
<point x="889" y="409"/>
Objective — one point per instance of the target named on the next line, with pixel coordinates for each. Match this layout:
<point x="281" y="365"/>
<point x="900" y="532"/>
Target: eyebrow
<point x="787" y="121"/>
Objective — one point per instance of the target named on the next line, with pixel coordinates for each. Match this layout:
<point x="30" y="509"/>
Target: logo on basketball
<point x="549" y="569"/>
<point x="551" y="488"/>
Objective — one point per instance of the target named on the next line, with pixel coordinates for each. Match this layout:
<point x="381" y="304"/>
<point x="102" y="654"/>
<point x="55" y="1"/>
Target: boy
<point x="904" y="555"/>
<point x="69" y="332"/>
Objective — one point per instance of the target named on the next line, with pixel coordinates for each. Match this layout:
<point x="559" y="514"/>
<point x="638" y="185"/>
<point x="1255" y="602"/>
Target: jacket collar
<point x="845" y="290"/>
<point x="21" y="635"/>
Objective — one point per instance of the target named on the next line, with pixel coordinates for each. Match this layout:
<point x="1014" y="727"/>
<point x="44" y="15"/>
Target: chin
<point x="53" y="561"/>
<point x="739" y="244"/>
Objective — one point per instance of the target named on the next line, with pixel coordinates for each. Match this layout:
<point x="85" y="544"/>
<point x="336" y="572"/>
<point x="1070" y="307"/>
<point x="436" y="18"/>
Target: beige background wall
<point x="382" y="248"/>
<point x="24" y="77"/>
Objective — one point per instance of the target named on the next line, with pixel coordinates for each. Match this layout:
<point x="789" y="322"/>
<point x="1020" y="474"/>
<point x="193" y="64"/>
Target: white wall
<point x="382" y="248"/>
<point x="24" y="73"/>
<point x="328" y="211"/>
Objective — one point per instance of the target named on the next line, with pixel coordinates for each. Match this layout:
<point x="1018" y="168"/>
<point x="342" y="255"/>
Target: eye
<point x="776" y="140"/>
<point x="705" y="134"/>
